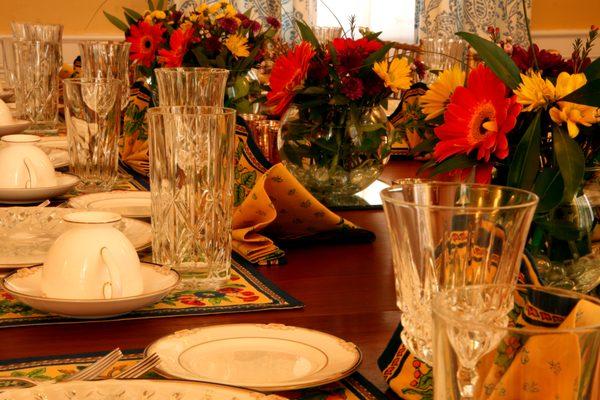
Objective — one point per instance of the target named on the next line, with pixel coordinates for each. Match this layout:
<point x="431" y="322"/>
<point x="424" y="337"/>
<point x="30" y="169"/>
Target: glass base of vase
<point x="367" y="199"/>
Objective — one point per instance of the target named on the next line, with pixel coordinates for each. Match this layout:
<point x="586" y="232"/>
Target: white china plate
<point x="55" y="142"/>
<point x="33" y="195"/>
<point x="127" y="203"/>
<point x="142" y="389"/>
<point x="270" y="357"/>
<point x="56" y="148"/>
<point x="16" y="127"/>
<point x="26" y="233"/>
<point x="25" y="286"/>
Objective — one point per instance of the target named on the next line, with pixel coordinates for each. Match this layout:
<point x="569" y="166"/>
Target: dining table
<point x="347" y="290"/>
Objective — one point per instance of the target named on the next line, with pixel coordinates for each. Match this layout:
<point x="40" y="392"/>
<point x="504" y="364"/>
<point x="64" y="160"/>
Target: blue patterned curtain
<point x="285" y="10"/>
<point x="442" y="18"/>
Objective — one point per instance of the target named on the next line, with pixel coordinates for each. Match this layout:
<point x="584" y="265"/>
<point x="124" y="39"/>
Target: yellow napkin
<point x="282" y="208"/>
<point x="542" y="367"/>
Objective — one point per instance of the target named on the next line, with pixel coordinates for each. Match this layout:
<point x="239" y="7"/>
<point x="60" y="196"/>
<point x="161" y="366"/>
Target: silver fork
<point x="140" y="368"/>
<point x="97" y="367"/>
<point x="86" y="374"/>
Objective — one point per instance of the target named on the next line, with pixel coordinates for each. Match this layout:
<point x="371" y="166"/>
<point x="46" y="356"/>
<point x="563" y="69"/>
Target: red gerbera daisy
<point x="179" y="44"/>
<point x="288" y="75"/>
<point x="145" y="40"/>
<point x="478" y="118"/>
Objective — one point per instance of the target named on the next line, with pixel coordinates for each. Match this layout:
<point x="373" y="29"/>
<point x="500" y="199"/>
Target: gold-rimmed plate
<point x="25" y="285"/>
<point x="264" y="357"/>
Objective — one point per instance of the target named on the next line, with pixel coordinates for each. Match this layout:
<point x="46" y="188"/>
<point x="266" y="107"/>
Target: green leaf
<point x="562" y="230"/>
<point x="525" y="163"/>
<point x="203" y="61"/>
<point x="307" y="34"/>
<point x="132" y="13"/>
<point x="160" y="4"/>
<point x="549" y="187"/>
<point x="339" y="100"/>
<point x="451" y="164"/>
<point x="378" y="55"/>
<point x="333" y="53"/>
<point x="314" y="90"/>
<point x="588" y="94"/>
<point x="129" y="19"/>
<point x="570" y="161"/>
<point x="425" y="146"/>
<point x="116" y="22"/>
<point x="592" y="72"/>
<point x="150" y="5"/>
<point x="495" y="58"/>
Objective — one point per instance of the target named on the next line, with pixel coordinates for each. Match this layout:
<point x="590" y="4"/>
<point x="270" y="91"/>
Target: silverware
<point x="86" y="374"/>
<point x="97" y="367"/>
<point x="140" y="368"/>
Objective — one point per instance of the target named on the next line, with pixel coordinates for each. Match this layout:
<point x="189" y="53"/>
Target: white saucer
<point x="16" y="127"/>
<point x="24" y="285"/>
<point x="34" y="195"/>
<point x="55" y="142"/>
<point x="134" y="389"/>
<point x="133" y="204"/>
<point x="26" y="234"/>
<point x="262" y="357"/>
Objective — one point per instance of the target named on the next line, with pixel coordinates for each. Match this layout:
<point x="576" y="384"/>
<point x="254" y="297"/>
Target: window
<point x="395" y="18"/>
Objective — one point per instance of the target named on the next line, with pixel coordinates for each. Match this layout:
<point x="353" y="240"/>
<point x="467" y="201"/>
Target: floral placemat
<point x="247" y="290"/>
<point x="354" y="387"/>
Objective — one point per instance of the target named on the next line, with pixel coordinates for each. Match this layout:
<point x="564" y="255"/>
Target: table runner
<point x="354" y="387"/>
<point x="247" y="290"/>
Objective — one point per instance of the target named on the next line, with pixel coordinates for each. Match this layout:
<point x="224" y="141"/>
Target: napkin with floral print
<point x="271" y="204"/>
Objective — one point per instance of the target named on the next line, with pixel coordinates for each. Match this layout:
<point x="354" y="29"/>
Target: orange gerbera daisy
<point x="287" y="76"/>
<point x="478" y="118"/>
<point x="179" y="44"/>
<point x="145" y="40"/>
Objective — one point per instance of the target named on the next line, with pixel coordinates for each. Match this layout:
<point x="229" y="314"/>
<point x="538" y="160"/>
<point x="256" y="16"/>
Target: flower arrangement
<point x="334" y="132"/>
<point x="525" y="118"/>
<point x="213" y="35"/>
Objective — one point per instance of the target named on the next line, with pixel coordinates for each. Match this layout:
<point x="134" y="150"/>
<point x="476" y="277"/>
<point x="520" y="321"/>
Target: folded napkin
<point x="272" y="204"/>
<point x="543" y="358"/>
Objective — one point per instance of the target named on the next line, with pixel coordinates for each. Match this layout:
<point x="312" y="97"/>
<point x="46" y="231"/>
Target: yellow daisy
<point x="158" y="14"/>
<point x="435" y="100"/>
<point x="396" y="75"/>
<point x="571" y="113"/>
<point x="534" y="92"/>
<point x="238" y="45"/>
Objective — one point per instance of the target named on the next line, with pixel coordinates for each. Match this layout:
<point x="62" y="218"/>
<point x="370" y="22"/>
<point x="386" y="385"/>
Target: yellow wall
<point x="78" y="16"/>
<point x="564" y="14"/>
<point x="85" y="16"/>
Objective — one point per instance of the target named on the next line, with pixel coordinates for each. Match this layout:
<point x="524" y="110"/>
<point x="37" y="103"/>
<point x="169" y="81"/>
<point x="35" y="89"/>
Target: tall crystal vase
<point x="191" y="86"/>
<point x="191" y="182"/>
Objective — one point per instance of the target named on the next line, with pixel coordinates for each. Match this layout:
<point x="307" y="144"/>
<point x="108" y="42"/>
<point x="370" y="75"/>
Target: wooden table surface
<point x="348" y="291"/>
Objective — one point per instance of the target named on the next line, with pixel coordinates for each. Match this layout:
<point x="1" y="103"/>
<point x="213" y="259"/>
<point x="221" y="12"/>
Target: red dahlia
<point x="352" y="88"/>
<point x="145" y="40"/>
<point x="352" y="53"/>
